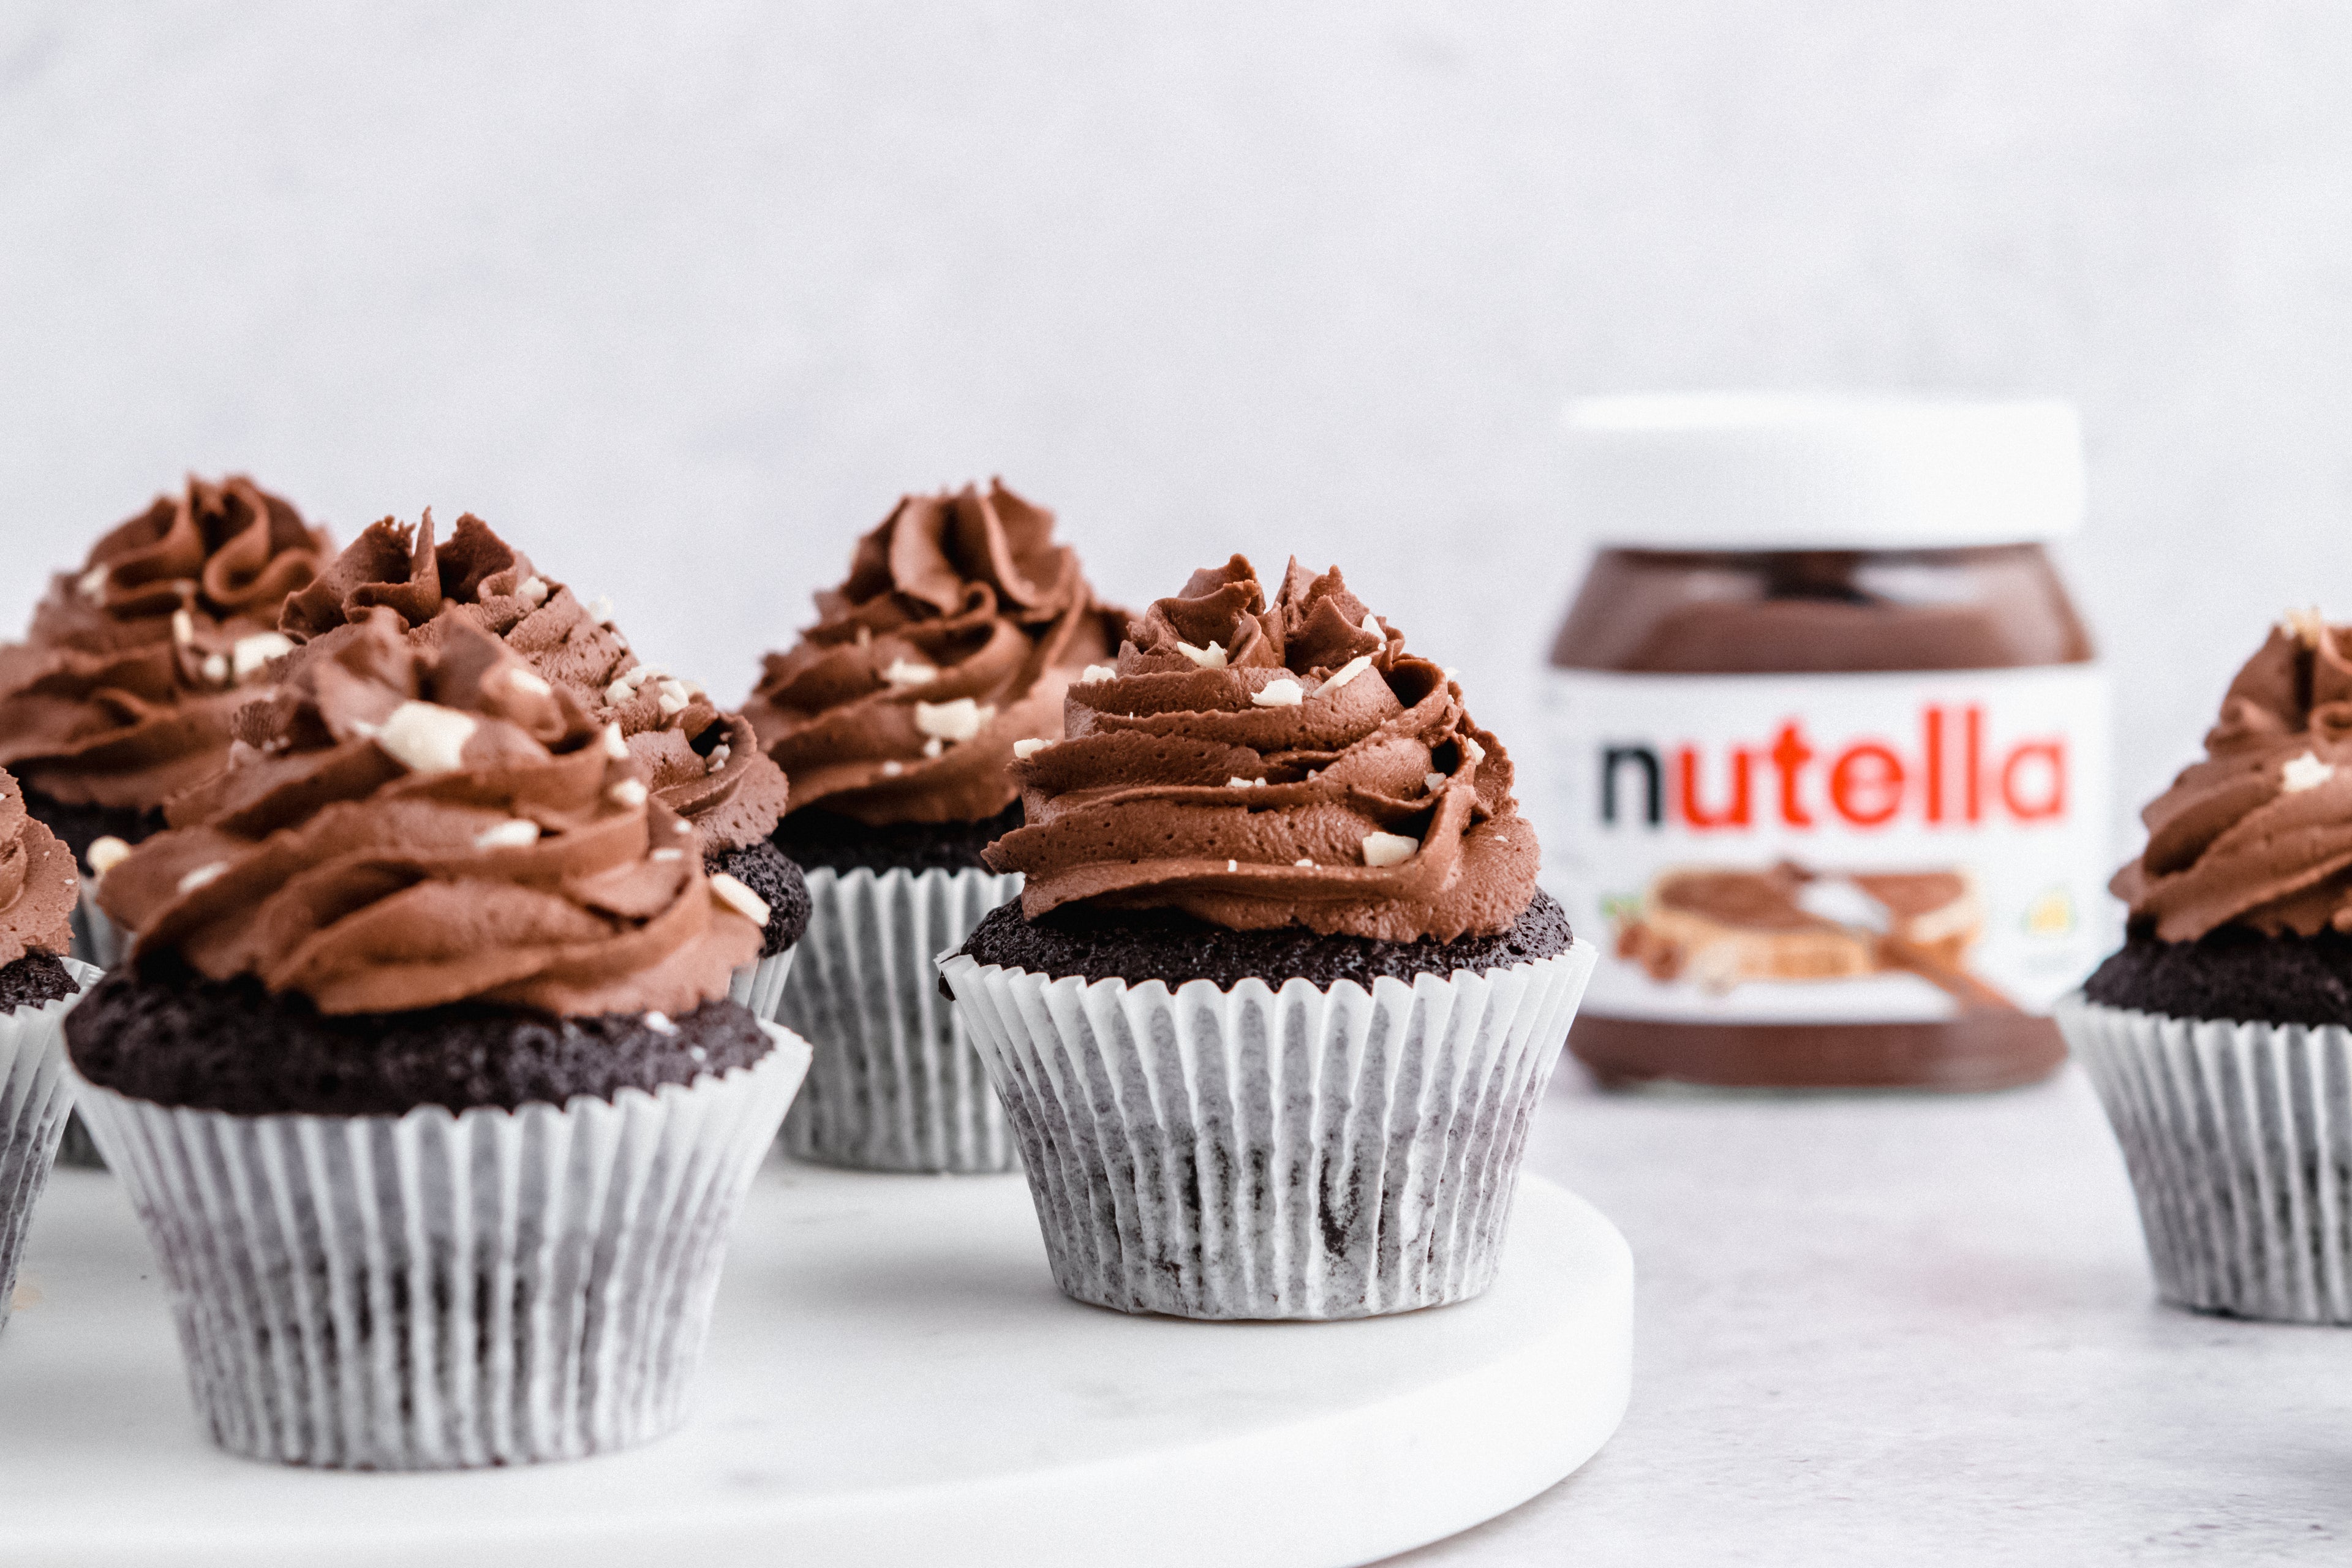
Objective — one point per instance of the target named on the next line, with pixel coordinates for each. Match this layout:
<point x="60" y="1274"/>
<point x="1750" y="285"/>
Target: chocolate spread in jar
<point x="1836" y="815"/>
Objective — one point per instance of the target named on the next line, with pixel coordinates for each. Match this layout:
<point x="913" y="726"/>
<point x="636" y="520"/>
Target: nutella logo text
<point x="1951" y="772"/>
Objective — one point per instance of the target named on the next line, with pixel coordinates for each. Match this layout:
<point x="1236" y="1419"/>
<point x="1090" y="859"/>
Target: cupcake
<point x="1280" y="997"/>
<point x="701" y="763"/>
<point x="422" y="1075"/>
<point x="38" y="982"/>
<point x="2220" y="1038"/>
<point x="961" y="626"/>
<point x="121" y="694"/>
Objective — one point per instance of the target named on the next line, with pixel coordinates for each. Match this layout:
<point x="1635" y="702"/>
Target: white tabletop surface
<point x="1907" y="1329"/>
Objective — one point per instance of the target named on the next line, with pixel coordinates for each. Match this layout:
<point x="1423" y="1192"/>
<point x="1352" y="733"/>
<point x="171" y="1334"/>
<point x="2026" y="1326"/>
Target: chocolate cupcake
<point x="37" y="984"/>
<point x="1280" y="997"/>
<point x="704" y="764"/>
<point x="960" y="629"/>
<point x="422" y="1075"/>
<point x="2221" y="1036"/>
<point x="123" y="693"/>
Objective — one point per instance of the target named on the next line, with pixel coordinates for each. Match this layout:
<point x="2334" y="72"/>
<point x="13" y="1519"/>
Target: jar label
<point x="1830" y="849"/>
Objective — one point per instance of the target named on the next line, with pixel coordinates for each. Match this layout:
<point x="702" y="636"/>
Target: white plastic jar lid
<point x="1781" y="471"/>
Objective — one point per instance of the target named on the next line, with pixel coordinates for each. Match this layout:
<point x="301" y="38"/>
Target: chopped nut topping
<point x="934" y="746"/>
<point x="1095" y="672"/>
<point x="1389" y="848"/>
<point x="523" y="679"/>
<point x="202" y="875"/>
<point x="515" y="833"/>
<point x="106" y="853"/>
<point x="907" y="672"/>
<point x="425" y="737"/>
<point x="673" y="700"/>
<point x="1433" y="781"/>
<point x="659" y="1024"/>
<point x="1024" y="750"/>
<point x="731" y="892"/>
<point x="600" y="609"/>
<point x="1210" y="657"/>
<point x="1308" y="864"/>
<point x="893" y="768"/>
<point x="628" y="791"/>
<point x="1284" y="693"/>
<point x="1472" y="750"/>
<point x="183" y="628"/>
<point x="531" y="591"/>
<point x="2305" y="771"/>
<point x="92" y="584"/>
<point x="716" y="761"/>
<point x="615" y="747"/>
<point x="2307" y="627"/>
<point x="1232" y="865"/>
<point x="1237" y="781"/>
<point x="1372" y="625"/>
<point x="667" y="856"/>
<point x="216" y="668"/>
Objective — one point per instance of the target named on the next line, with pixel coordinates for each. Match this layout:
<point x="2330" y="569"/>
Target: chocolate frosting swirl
<point x="958" y="633"/>
<point x="433" y="824"/>
<point x="704" y="764"/>
<point x="37" y="886"/>
<point x="124" y="691"/>
<point x="2259" y="833"/>
<point x="1263" y="766"/>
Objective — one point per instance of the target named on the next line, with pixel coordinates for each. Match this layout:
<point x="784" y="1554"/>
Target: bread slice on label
<point x="1719" y="927"/>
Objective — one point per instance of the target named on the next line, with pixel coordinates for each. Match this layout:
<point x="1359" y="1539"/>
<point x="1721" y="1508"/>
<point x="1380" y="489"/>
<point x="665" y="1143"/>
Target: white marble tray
<point x="892" y="1379"/>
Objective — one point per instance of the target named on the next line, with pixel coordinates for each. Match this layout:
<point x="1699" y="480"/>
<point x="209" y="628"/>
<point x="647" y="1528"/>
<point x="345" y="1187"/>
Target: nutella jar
<point x="1829" y="776"/>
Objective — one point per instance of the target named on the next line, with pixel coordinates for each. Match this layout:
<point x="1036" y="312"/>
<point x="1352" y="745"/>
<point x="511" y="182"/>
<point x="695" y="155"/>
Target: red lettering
<point x="1866" y="783"/>
<point x="1789" y="754"/>
<point x="1973" y="759"/>
<point x="1735" y="814"/>
<point x="1934" y="770"/>
<point x="2052" y="756"/>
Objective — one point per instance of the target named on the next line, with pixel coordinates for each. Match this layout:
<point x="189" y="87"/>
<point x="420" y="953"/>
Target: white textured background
<point x="681" y="296"/>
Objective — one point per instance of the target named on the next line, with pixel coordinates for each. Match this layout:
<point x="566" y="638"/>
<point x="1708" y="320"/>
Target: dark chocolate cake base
<point x="83" y="826"/>
<point x="816" y="837"/>
<point x="34" y="980"/>
<point x="767" y="871"/>
<point x="1136" y="945"/>
<point x="2231" y="973"/>
<point x="181" y="1040"/>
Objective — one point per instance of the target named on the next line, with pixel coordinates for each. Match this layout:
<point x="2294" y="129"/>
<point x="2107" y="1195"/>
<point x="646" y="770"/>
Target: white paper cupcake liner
<point x="96" y="938"/>
<point x="895" y="1085"/>
<point x="760" y="985"/>
<point x="1263" y="1154"/>
<point x="2239" y="1140"/>
<point x="439" y="1290"/>
<point x="36" y="1093"/>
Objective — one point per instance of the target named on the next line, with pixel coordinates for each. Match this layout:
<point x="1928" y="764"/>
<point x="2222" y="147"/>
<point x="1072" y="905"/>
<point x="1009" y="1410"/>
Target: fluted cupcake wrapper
<point x="35" y="1094"/>
<point x="896" y="1086"/>
<point x="760" y="985"/>
<point x="96" y="938"/>
<point x="2238" y="1137"/>
<point x="436" y="1290"/>
<point x="1264" y="1153"/>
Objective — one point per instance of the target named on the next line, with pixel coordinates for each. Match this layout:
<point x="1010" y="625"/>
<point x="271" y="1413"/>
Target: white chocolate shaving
<point x="1389" y="848"/>
<point x="731" y="892"/>
<point x="958" y="720"/>
<point x="2305" y="771"/>
<point x="1284" y="693"/>
<point x="249" y="654"/>
<point x="425" y="737"/>
<point x="1347" y="672"/>
<point x="1210" y="657"/>
<point x="515" y="833"/>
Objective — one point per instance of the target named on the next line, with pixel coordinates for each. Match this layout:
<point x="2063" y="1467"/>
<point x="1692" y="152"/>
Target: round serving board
<point x="892" y="1378"/>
